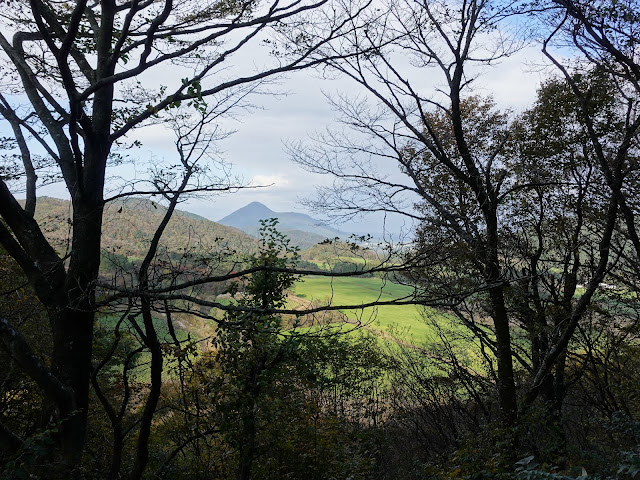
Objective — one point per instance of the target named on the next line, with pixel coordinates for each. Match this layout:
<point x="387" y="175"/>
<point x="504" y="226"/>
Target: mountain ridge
<point x="302" y="229"/>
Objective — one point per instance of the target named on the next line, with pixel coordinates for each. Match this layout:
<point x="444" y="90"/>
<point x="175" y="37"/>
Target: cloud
<point x="256" y="149"/>
<point x="269" y="180"/>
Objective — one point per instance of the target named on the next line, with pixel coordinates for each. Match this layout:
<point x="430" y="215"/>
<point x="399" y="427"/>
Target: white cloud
<point x="269" y="181"/>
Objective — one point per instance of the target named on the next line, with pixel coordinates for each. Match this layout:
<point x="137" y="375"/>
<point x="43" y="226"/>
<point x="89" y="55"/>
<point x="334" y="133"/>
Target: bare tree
<point x="444" y="40"/>
<point x="504" y="229"/>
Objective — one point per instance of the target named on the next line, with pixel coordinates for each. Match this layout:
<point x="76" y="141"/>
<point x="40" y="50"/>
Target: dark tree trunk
<point x="506" y="382"/>
<point x="249" y="418"/>
<point x="507" y="394"/>
<point x="73" y="326"/>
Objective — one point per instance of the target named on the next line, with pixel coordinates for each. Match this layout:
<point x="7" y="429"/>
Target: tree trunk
<point x="507" y="395"/>
<point x="506" y="382"/>
<point x="73" y="327"/>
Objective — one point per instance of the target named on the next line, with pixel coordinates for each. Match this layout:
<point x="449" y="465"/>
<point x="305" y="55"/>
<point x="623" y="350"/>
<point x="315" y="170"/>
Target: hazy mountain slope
<point x="248" y="219"/>
<point x="299" y="238"/>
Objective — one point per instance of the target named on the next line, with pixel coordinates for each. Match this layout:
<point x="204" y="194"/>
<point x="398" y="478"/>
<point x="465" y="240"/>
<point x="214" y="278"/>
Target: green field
<point x="405" y="319"/>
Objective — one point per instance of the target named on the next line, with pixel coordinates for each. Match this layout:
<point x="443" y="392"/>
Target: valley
<point x="130" y="223"/>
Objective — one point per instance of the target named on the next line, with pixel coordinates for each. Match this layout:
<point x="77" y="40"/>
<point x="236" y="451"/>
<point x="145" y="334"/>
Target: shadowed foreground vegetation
<point x="408" y="393"/>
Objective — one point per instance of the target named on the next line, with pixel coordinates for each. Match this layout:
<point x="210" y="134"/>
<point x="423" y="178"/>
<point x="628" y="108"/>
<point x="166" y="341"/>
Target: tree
<point x="251" y="347"/>
<point x="73" y="97"/>
<point x="274" y="371"/>
<point x="605" y="39"/>
<point x="277" y="396"/>
<point x="406" y="127"/>
<point x="510" y="217"/>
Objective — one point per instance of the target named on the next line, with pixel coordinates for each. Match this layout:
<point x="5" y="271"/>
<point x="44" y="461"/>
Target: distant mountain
<point x="302" y="229"/>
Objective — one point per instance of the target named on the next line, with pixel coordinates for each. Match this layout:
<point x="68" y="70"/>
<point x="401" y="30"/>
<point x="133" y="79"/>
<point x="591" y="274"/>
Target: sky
<point x="257" y="149"/>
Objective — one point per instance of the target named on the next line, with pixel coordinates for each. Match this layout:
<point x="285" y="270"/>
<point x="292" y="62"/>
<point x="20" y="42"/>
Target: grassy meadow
<point x="411" y="325"/>
<point x="404" y="320"/>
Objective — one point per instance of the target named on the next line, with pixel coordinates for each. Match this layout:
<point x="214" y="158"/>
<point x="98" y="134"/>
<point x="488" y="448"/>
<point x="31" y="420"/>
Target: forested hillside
<point x="128" y="226"/>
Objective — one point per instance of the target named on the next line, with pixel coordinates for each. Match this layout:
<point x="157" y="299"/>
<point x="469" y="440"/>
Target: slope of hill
<point x="129" y="224"/>
<point x="302" y="229"/>
<point x="300" y="238"/>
